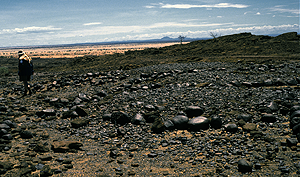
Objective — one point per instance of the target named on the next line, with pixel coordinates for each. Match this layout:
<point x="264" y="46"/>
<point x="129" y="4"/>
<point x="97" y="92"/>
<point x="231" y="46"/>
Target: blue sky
<point x="36" y="22"/>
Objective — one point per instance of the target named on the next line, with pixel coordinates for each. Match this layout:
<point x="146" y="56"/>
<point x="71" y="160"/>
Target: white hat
<point x="21" y="52"/>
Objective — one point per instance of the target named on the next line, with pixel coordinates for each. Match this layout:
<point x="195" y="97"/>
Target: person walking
<point x="25" y="70"/>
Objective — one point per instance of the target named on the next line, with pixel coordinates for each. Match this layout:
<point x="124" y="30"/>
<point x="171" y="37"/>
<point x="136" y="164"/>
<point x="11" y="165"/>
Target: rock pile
<point x="196" y="119"/>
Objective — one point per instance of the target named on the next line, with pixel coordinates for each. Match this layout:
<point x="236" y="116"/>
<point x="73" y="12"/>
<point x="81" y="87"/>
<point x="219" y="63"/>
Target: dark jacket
<point x="25" y="68"/>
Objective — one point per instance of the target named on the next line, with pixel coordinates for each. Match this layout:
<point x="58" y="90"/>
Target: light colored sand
<point x="78" y="51"/>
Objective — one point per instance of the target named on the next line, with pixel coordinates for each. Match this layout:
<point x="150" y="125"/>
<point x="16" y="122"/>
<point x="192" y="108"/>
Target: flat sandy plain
<point x="71" y="51"/>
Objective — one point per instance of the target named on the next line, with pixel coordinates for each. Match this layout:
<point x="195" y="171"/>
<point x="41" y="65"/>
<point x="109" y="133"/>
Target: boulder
<point x="169" y="124"/>
<point x="216" y="122"/>
<point x="269" y="118"/>
<point x="138" y="119"/>
<point x="180" y="121"/>
<point x="295" y="114"/>
<point x="198" y="123"/>
<point x="245" y="117"/>
<point x="151" y="116"/>
<point x="158" y="126"/>
<point x="193" y="111"/>
<point x="120" y="117"/>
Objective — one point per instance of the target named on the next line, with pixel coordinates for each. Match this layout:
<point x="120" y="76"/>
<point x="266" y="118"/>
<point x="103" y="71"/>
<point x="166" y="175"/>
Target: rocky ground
<point x="192" y="119"/>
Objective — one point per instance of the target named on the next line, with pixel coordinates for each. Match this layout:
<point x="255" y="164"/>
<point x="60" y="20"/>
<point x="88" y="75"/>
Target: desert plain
<point x="72" y="51"/>
<point x="228" y="106"/>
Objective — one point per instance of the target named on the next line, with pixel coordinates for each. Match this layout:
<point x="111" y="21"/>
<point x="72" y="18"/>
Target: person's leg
<point x="25" y="87"/>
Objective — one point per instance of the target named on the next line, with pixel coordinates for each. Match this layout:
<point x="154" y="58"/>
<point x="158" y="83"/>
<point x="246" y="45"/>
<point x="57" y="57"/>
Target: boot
<point x="25" y="94"/>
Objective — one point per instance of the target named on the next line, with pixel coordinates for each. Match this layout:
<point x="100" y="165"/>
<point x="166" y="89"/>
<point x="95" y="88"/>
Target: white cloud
<point x="258" y="13"/>
<point x="188" y="6"/>
<point x="259" y="30"/>
<point x="93" y="23"/>
<point x="32" y="29"/>
<point x="111" y="30"/>
<point x="283" y="10"/>
<point x="267" y="29"/>
<point x="149" y="7"/>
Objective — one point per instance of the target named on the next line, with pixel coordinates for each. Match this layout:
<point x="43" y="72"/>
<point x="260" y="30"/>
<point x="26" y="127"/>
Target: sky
<point x="51" y="22"/>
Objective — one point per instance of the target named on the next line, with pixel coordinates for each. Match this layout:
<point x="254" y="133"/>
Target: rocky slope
<point x="184" y="119"/>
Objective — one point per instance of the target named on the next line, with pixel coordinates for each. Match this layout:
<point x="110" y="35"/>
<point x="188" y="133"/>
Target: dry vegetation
<point x="72" y="51"/>
<point x="243" y="47"/>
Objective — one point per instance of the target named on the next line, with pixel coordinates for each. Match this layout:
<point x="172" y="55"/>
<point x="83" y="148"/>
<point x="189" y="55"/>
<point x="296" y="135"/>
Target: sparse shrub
<point x="3" y="71"/>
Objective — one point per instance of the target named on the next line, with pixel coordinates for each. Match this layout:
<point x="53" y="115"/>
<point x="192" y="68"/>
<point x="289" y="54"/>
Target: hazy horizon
<point x="56" y="22"/>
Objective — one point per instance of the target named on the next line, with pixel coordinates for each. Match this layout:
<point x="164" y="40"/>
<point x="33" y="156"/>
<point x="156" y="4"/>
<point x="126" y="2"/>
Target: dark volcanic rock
<point x="158" y="126"/>
<point x="198" y="123"/>
<point x="26" y="134"/>
<point x="245" y="117"/>
<point x="216" y="122"/>
<point x="180" y="121"/>
<point x="231" y="127"/>
<point x="106" y="117"/>
<point x="151" y="116"/>
<point x="120" y="118"/>
<point x="273" y="106"/>
<point x="138" y="119"/>
<point x="39" y="147"/>
<point x="81" y="111"/>
<point x="4" y="126"/>
<point x="193" y="111"/>
<point x="169" y="124"/>
<point x="270" y="118"/>
<point x="46" y="112"/>
<point x="79" y="122"/>
<point x="291" y="141"/>
<point x="244" y="166"/>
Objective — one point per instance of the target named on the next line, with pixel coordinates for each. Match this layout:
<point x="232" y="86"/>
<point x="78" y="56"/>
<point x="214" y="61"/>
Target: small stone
<point x="258" y="166"/>
<point x="270" y="118"/>
<point x="131" y="172"/>
<point x="79" y="122"/>
<point x="152" y="155"/>
<point x="26" y="134"/>
<point x="64" y="146"/>
<point x="244" y="166"/>
<point x="249" y="127"/>
<point x="291" y="141"/>
<point x="7" y="137"/>
<point x="231" y="127"/>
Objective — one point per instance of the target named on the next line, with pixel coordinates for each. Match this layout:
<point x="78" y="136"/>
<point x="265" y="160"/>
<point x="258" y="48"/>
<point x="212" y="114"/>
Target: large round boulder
<point x="198" y="123"/>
